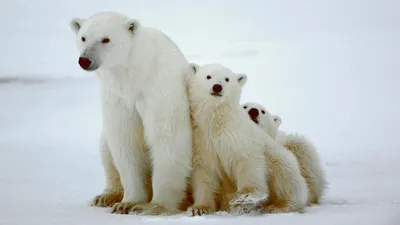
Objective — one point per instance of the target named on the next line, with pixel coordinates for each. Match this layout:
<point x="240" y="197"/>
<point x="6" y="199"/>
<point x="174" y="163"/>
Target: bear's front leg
<point x="124" y="132"/>
<point x="250" y="174"/>
<point x="169" y="135"/>
<point x="113" y="193"/>
<point x="204" y="184"/>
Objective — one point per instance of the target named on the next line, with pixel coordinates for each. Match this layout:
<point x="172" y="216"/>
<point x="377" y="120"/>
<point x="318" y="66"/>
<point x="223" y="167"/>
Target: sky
<point x="36" y="37"/>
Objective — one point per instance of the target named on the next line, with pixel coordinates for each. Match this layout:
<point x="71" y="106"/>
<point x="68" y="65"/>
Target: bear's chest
<point x="118" y="81"/>
<point x="228" y="142"/>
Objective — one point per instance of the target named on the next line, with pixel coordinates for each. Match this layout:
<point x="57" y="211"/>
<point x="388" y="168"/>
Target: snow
<point x="330" y="70"/>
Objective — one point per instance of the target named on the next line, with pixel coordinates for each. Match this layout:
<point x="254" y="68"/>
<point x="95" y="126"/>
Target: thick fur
<point x="300" y="146"/>
<point x="310" y="164"/>
<point x="225" y="143"/>
<point x="141" y="73"/>
<point x="288" y="188"/>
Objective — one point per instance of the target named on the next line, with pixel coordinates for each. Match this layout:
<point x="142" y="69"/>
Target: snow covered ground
<point x="328" y="68"/>
<point x="50" y="167"/>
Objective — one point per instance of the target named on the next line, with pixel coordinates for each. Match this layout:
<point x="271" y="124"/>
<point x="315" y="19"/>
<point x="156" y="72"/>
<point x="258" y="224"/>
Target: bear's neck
<point x="119" y="81"/>
<point x="208" y="116"/>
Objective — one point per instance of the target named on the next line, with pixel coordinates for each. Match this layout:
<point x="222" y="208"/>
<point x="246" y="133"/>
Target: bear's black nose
<point x="253" y="112"/>
<point x="217" y="88"/>
<point x="84" y="63"/>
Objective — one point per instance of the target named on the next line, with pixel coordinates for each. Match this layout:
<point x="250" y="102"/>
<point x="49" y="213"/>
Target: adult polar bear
<point x="144" y="102"/>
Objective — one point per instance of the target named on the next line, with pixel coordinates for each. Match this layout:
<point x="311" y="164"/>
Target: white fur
<point x="288" y="188"/>
<point x="144" y="101"/>
<point x="309" y="159"/>
<point x="113" y="182"/>
<point x="225" y="141"/>
<point x="299" y="145"/>
<point x="264" y="118"/>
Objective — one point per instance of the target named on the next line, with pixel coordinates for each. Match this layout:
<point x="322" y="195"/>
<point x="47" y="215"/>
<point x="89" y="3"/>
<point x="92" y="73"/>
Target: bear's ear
<point x="195" y="67"/>
<point x="277" y="120"/>
<point x="242" y="79"/>
<point x="132" y="25"/>
<point x="76" y="24"/>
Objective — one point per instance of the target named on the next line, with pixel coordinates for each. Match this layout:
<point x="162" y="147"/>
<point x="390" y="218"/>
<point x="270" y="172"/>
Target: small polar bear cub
<point x="287" y="187"/>
<point x="300" y="146"/>
<point x="224" y="141"/>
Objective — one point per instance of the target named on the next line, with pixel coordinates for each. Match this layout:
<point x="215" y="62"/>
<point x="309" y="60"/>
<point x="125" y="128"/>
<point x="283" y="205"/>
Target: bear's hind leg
<point x="276" y="205"/>
<point x="289" y="191"/>
<point x="252" y="187"/>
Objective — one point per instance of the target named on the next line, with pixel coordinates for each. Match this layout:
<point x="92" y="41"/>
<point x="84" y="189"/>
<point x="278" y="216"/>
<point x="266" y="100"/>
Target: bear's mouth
<point x="254" y="119"/>
<point x="216" y="94"/>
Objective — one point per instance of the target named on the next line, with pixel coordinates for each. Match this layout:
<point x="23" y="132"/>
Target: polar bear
<point x="146" y="120"/>
<point x="232" y="153"/>
<point x="222" y="142"/>
<point x="300" y="146"/>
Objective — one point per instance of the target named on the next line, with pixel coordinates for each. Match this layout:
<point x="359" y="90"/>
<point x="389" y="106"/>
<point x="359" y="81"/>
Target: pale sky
<point x="35" y="32"/>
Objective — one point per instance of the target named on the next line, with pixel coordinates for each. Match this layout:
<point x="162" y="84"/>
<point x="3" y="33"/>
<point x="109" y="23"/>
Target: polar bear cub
<point x="224" y="140"/>
<point x="227" y="144"/>
<point x="300" y="146"/>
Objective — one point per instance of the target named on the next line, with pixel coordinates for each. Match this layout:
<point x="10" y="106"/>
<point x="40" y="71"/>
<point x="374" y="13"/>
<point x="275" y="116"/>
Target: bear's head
<point x="261" y="116"/>
<point x="215" y="84"/>
<point x="104" y="39"/>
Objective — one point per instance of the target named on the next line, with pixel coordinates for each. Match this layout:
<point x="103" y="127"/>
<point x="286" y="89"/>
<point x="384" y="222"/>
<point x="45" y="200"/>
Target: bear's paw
<point x="152" y="209"/>
<point x="107" y="199"/>
<point x="246" y="202"/>
<point x="199" y="210"/>
<point x="123" y="207"/>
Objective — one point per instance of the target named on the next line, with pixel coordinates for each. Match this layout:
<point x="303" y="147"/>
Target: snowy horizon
<point x="329" y="69"/>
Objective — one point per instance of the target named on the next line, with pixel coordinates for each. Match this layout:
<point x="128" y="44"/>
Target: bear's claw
<point x="247" y="202"/>
<point x="123" y="207"/>
<point x="200" y="210"/>
<point x="106" y="199"/>
<point x="152" y="209"/>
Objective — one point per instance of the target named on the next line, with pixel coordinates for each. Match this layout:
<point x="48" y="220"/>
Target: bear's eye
<point x="105" y="40"/>
<point x="227" y="79"/>
<point x="208" y="77"/>
<point x="83" y="39"/>
<point x="244" y="107"/>
<point x="262" y="111"/>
